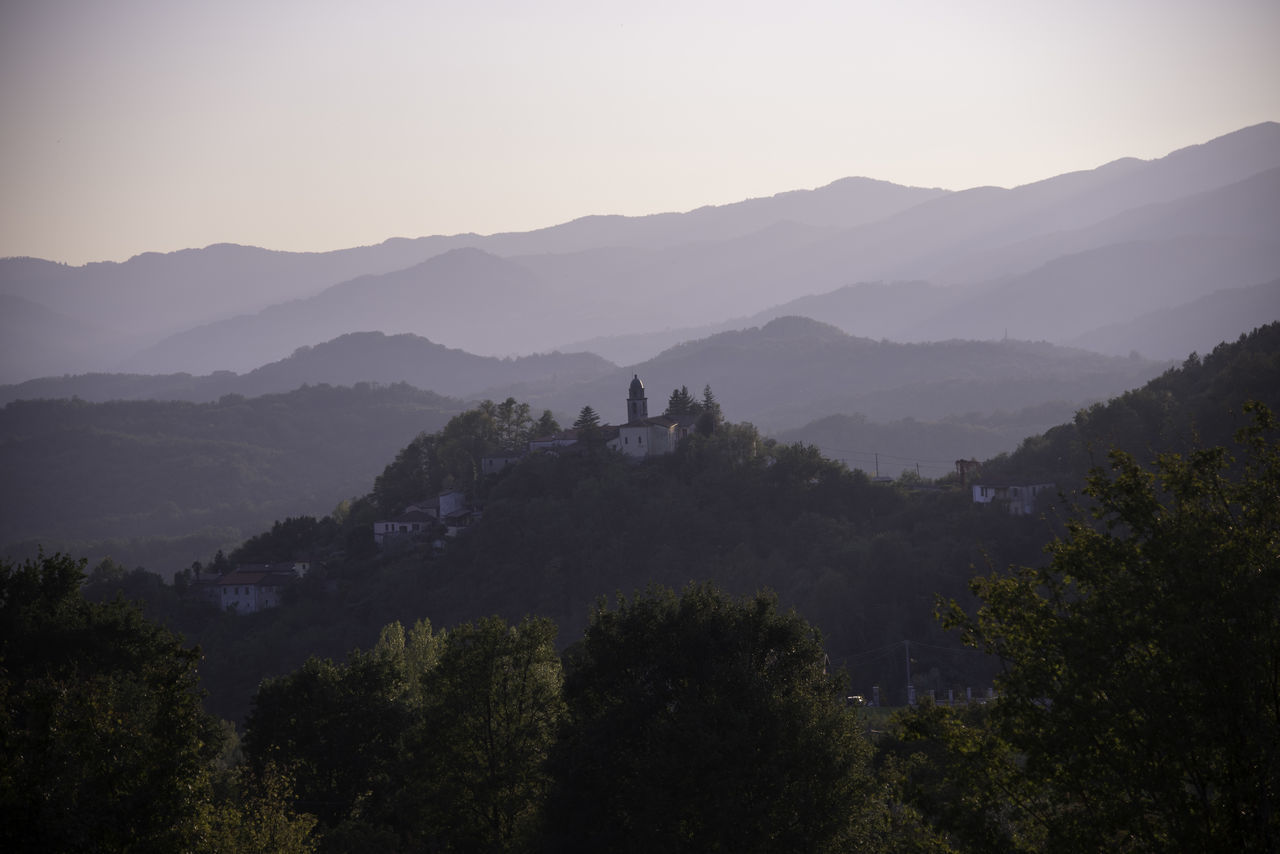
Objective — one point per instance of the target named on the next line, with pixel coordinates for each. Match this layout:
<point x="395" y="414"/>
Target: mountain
<point x="1129" y="221"/>
<point x="361" y="357"/>
<point x="926" y="448"/>
<point x="462" y="295"/>
<point x="793" y="370"/>
<point x="844" y="203"/>
<point x="26" y="330"/>
<point x="153" y="296"/>
<point x="1201" y="403"/>
<point x="165" y="482"/>
<point x="487" y="301"/>
<point x="1193" y="327"/>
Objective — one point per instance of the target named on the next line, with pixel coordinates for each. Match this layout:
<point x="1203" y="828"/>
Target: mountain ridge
<point x="612" y="275"/>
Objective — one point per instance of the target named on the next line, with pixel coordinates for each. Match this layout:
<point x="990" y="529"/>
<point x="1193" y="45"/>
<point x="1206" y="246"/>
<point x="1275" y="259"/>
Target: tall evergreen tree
<point x="681" y="403"/>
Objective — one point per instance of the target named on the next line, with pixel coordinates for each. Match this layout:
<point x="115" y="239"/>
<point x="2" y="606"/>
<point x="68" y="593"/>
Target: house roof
<point x="413" y="516"/>
<point x="240" y="577"/>
<point x="570" y="435"/>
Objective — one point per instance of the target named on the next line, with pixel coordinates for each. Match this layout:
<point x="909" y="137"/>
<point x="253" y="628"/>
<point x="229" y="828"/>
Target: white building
<point x="250" y="588"/>
<point x="1020" y="498"/>
<point x="417" y="520"/>
<point x="643" y="436"/>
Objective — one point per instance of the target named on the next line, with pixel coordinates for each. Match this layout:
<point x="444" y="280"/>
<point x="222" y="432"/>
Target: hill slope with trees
<point x="159" y="483"/>
<point x="483" y="719"/>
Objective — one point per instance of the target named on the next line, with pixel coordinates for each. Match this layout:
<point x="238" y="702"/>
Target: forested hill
<point x="159" y="483"/>
<point x="864" y="561"/>
<point x="1199" y="403"/>
<point x="794" y="369"/>
<point x="346" y="360"/>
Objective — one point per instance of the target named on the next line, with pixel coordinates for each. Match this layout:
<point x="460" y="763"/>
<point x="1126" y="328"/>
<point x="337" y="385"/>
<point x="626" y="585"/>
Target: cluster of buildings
<point x="641" y="436"/>
<point x="444" y="515"/>
<point x="250" y="588"/>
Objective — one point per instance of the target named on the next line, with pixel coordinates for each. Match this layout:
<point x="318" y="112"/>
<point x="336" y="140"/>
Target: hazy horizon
<point x="144" y="126"/>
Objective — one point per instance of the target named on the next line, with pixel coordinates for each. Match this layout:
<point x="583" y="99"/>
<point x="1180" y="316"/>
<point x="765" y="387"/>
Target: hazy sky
<point x="136" y="125"/>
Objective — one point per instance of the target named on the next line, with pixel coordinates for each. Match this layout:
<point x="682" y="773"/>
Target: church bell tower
<point x="637" y="403"/>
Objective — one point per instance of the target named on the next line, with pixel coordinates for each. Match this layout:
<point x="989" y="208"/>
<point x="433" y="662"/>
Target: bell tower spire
<point x="637" y="403"/>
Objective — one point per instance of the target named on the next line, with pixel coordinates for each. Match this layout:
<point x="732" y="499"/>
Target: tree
<point x="1141" y="661"/>
<point x="546" y="425"/>
<point x="335" y="728"/>
<point x="587" y="418"/>
<point x="682" y="403"/>
<point x="588" y="427"/>
<point x="103" y="743"/>
<point x="492" y="711"/>
<point x="710" y="404"/>
<point x="699" y="723"/>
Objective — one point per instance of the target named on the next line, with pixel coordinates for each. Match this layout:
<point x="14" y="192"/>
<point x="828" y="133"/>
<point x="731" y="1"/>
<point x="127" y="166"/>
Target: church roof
<point x="637" y="387"/>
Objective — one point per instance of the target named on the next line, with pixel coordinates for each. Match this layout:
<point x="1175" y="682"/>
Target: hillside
<point x="1201" y="402"/>
<point x="162" y="483"/>
<point x="1194" y="327"/>
<point x="864" y="561"/>
<point x="793" y="370"/>
<point x="346" y="360"/>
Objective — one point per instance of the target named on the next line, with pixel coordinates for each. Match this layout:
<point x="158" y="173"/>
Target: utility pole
<point x="911" y="693"/>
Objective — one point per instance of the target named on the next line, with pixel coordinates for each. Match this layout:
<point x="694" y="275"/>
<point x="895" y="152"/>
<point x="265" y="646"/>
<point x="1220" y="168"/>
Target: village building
<point x="497" y="462"/>
<point x="448" y="510"/>
<point x="643" y="436"/>
<point x="1020" y="498"/>
<point x="250" y="587"/>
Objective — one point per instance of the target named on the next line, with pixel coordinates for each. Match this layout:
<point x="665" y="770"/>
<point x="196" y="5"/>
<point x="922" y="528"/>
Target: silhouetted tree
<point x="700" y="723"/>
<point x="1141" y="683"/>
<point x="681" y="403"/>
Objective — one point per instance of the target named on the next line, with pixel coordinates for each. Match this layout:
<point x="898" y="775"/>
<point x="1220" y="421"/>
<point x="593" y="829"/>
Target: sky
<point x="308" y="125"/>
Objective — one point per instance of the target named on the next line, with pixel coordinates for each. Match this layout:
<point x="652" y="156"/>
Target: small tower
<point x="637" y="403"/>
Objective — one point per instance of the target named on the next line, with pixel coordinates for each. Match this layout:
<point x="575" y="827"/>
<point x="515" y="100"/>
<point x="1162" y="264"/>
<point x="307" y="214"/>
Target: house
<point x="563" y="439"/>
<point x="1021" y="498"/>
<point x="250" y="588"/>
<point x="448" y="509"/>
<point x="498" y="462"/>
<point x="411" y="522"/>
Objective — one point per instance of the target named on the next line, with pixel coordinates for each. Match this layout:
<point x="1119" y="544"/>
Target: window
<point x="639" y="440"/>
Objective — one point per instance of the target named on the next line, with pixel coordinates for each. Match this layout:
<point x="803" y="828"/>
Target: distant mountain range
<point x="793" y="370"/>
<point x="780" y="375"/>
<point x="359" y="357"/>
<point x="1061" y="260"/>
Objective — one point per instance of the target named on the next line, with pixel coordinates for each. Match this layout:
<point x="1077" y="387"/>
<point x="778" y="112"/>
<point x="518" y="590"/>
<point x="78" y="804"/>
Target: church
<point x="642" y="436"/>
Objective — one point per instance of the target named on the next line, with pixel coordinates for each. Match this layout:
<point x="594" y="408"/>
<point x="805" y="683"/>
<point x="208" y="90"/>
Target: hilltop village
<point x="638" y="437"/>
<point x="250" y="588"/>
